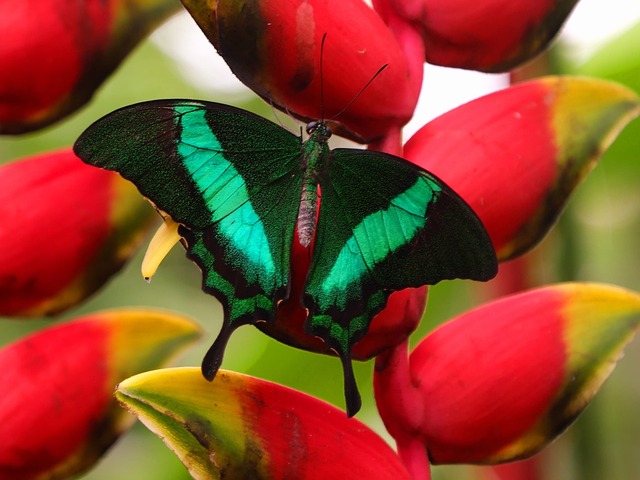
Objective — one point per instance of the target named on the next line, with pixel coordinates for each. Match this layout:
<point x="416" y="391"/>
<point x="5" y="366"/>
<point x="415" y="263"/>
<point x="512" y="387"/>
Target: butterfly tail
<point x="321" y="326"/>
<point x="213" y="359"/>
<point x="351" y="393"/>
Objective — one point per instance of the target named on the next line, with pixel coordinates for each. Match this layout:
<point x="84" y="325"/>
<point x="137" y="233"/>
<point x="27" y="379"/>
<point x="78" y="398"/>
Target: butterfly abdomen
<point x="315" y="151"/>
<point x="307" y="214"/>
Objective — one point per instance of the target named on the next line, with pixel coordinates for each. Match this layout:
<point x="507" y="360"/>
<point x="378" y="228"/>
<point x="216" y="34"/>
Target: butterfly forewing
<point x="231" y="178"/>
<point x="385" y="225"/>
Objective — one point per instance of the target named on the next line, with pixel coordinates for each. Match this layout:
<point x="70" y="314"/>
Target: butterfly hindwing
<point x="230" y="178"/>
<point x="384" y="225"/>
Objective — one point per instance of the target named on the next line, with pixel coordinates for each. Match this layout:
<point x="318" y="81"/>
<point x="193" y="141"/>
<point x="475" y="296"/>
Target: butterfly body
<point x="315" y="152"/>
<point x="241" y="187"/>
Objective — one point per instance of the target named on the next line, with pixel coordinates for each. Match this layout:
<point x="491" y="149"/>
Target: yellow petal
<point x="161" y="243"/>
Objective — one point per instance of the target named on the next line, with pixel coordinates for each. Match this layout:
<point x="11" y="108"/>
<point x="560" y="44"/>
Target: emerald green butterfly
<point x="241" y="187"/>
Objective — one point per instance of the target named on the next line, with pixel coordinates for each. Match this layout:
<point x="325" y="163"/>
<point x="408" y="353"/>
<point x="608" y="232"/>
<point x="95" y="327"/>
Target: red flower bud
<point x="501" y="381"/>
<point x="66" y="228"/>
<point x="57" y="409"/>
<point x="257" y="429"/>
<point x="485" y="35"/>
<point x="280" y="60"/>
<point x="54" y="54"/>
<point x="516" y="155"/>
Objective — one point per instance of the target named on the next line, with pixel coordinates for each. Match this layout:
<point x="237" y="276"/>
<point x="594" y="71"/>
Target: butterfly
<point x="241" y="187"/>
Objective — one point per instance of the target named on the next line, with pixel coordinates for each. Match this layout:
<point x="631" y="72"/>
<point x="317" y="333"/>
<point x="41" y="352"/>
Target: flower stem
<point x="414" y="457"/>
<point x="401" y="408"/>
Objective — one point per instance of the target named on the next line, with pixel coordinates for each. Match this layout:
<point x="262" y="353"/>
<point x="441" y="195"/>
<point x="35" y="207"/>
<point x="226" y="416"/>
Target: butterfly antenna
<point x="278" y="119"/>
<point x="357" y="95"/>
<point x="324" y="37"/>
<point x="275" y="114"/>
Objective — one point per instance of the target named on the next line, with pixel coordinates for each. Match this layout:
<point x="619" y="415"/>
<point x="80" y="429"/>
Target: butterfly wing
<point x="384" y="225"/>
<point x="230" y="178"/>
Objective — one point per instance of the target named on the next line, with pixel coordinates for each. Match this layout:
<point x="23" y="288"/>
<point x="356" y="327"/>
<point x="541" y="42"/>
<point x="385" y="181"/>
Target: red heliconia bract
<point x="66" y="228"/>
<point x="274" y="47"/>
<point x="30" y="372"/>
<point x="57" y="410"/>
<point x="257" y="429"/>
<point x="500" y="382"/>
<point x="54" y="54"/>
<point x="526" y="359"/>
<point x="400" y="317"/>
<point x="484" y="35"/>
<point x="517" y="154"/>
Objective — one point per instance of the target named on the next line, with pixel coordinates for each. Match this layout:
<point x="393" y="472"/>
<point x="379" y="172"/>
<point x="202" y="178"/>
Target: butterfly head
<point x="319" y="131"/>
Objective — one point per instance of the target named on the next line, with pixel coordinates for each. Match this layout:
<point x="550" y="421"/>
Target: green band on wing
<point x="376" y="237"/>
<point x="223" y="190"/>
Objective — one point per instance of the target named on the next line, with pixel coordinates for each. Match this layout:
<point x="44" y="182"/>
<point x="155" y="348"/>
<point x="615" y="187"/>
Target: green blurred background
<point x="597" y="239"/>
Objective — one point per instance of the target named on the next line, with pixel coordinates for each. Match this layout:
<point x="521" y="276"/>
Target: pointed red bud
<point x="243" y="427"/>
<point x="517" y="154"/>
<point x="66" y="228"/>
<point x="485" y="35"/>
<point x="57" y="409"/>
<point x="279" y="59"/>
<point x="54" y="54"/>
<point x="501" y="381"/>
